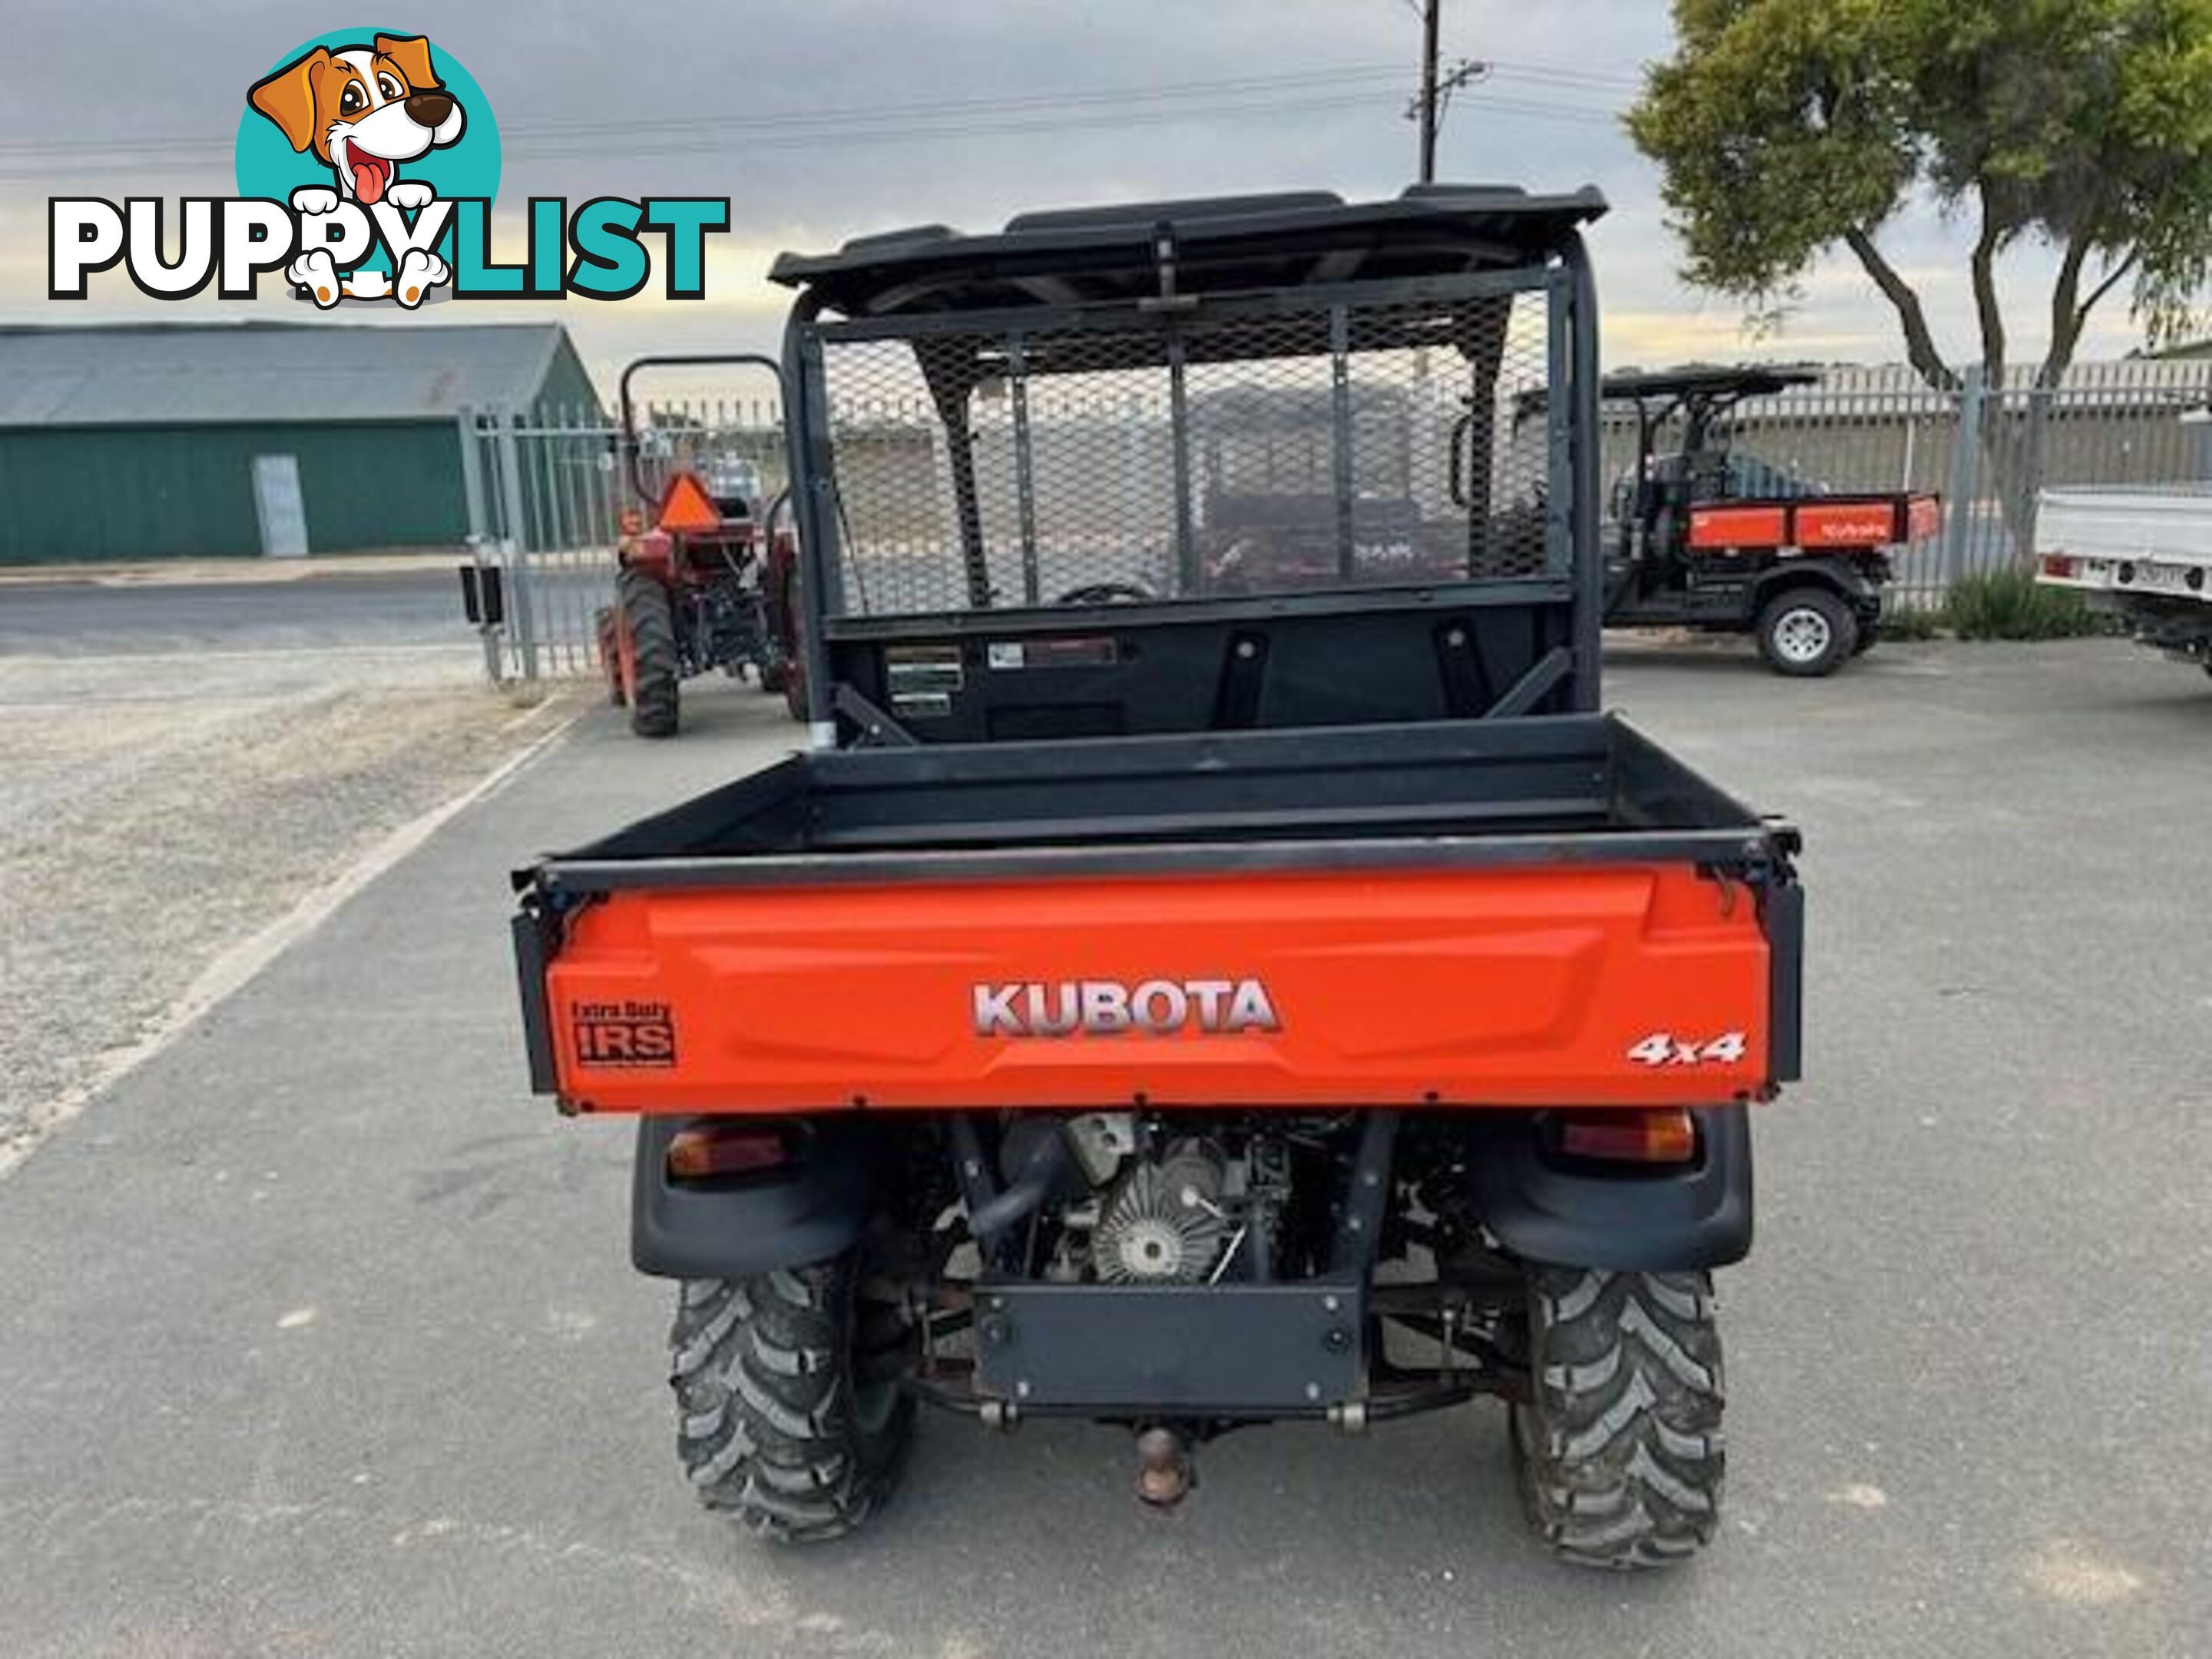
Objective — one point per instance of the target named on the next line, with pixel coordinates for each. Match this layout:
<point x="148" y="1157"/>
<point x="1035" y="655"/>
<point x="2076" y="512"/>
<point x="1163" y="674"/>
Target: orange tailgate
<point x="1608" y="984"/>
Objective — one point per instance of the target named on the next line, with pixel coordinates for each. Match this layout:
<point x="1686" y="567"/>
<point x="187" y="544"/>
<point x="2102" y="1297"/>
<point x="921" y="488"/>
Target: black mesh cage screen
<point x="1088" y="458"/>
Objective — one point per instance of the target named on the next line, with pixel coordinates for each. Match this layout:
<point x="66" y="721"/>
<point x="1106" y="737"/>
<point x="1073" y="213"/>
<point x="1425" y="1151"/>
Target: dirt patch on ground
<point x="145" y="827"/>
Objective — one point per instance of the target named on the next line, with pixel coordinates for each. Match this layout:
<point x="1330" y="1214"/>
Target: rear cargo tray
<point x="1572" y="787"/>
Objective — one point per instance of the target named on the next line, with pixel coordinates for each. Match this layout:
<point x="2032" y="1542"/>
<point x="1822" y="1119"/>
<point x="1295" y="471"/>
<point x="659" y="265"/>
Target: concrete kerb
<point x="188" y="572"/>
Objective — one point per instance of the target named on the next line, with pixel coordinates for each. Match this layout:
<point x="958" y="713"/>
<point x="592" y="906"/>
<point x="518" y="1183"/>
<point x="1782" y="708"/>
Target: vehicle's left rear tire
<point x="791" y="1415"/>
<point x="1618" y="1449"/>
<point x="655" y="669"/>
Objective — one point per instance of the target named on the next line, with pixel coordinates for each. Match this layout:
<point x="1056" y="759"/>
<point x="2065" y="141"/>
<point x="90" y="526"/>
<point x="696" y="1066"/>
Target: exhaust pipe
<point x="1165" y="1473"/>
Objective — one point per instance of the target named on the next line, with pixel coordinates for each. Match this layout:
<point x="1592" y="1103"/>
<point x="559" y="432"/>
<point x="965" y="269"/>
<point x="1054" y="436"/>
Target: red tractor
<point x="707" y="582"/>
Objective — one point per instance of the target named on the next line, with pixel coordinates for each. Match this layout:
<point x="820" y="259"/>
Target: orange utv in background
<point x="1217" y="963"/>
<point x="1708" y="537"/>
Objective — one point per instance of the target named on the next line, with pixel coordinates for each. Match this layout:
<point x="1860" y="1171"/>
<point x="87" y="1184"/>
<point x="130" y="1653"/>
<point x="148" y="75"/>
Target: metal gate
<point x="547" y="490"/>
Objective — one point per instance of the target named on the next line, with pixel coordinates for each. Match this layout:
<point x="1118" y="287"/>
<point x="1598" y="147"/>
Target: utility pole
<point x="1430" y="20"/>
<point x="1427" y="108"/>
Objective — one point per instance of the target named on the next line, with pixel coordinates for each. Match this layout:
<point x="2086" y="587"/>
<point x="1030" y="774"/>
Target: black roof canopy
<point x="1215" y="245"/>
<point x="1710" y="380"/>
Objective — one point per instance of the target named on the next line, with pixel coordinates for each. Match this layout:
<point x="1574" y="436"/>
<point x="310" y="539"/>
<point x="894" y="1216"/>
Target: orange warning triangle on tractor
<point x="685" y="505"/>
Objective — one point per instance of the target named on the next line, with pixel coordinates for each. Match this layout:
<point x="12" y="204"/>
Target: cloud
<point x="834" y="117"/>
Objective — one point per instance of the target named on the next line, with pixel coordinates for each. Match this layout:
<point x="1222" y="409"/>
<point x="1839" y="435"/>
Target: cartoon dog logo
<point x="364" y="110"/>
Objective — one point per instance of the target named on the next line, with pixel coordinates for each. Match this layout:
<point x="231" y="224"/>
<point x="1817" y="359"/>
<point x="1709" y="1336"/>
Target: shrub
<point x="1911" y="621"/>
<point x="2009" y="605"/>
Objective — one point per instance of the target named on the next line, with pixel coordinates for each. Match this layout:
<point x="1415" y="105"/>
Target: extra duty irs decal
<point x="624" y="1035"/>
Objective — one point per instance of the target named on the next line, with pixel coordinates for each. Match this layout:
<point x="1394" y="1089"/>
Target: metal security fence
<point x="1425" y="445"/>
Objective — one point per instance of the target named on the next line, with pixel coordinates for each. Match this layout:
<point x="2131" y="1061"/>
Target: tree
<point x="1787" y="128"/>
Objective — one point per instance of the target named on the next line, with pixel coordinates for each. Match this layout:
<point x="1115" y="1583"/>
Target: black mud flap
<point x="807" y="1210"/>
<point x="1626" y="1219"/>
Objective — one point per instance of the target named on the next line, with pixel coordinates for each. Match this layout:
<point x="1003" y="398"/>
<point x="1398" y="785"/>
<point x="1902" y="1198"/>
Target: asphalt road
<point x="318" y="1337"/>
<point x="386" y="610"/>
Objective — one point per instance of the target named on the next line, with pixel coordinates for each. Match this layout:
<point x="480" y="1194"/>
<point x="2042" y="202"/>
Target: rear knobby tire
<point x="655" y="668"/>
<point x="1807" y="632"/>
<point x="1618" y="1449"/>
<point x="791" y="1417"/>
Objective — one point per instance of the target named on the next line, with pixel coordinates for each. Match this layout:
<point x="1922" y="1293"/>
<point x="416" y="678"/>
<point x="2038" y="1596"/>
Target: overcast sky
<point x="833" y="117"/>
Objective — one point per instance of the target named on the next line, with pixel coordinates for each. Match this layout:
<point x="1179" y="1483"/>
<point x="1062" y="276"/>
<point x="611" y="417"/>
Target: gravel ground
<point x="158" y="808"/>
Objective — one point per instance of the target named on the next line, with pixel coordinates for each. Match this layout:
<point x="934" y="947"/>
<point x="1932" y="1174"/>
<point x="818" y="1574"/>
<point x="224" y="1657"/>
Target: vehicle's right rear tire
<point x="1617" y="1449"/>
<point x="1807" y="632"/>
<point x="790" y="1415"/>
<point x="655" y="670"/>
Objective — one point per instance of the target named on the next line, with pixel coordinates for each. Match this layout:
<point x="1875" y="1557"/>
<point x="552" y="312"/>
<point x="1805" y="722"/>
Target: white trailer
<point x="2144" y="553"/>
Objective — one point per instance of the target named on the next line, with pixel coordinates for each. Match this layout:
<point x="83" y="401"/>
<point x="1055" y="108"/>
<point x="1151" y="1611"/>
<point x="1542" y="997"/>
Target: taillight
<point x="1666" y="1136"/>
<point x="722" y="1150"/>
<point x="2058" y="564"/>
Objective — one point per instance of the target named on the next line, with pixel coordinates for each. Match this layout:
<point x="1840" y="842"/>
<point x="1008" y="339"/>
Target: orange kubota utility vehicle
<point x="1708" y="537"/>
<point x="1191" y="982"/>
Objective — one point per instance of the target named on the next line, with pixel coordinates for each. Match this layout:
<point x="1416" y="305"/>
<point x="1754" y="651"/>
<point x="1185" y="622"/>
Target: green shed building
<point x="195" y="440"/>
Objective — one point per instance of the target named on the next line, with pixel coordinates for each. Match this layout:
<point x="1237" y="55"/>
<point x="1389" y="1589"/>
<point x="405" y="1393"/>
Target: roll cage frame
<point x="1186" y="273"/>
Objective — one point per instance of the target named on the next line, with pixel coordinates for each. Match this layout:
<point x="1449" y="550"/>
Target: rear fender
<point x="650" y="550"/>
<point x="1840" y="576"/>
<point x="1632" y="1220"/>
<point x="807" y="1210"/>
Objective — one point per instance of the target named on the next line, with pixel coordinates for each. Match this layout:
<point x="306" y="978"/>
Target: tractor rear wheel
<point x="1618" y="1446"/>
<point x="1807" y="632"/>
<point x="790" y="1415"/>
<point x="651" y="668"/>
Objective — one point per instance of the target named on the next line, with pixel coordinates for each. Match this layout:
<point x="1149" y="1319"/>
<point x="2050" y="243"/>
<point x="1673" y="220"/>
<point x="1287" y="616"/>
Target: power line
<point x="1172" y="92"/>
<point x="1555" y="76"/>
<point x="1258" y="97"/>
<point x="1310" y="78"/>
<point x="721" y="143"/>
<point x="1547" y="78"/>
<point x="717" y="142"/>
